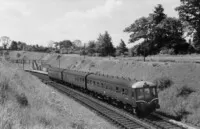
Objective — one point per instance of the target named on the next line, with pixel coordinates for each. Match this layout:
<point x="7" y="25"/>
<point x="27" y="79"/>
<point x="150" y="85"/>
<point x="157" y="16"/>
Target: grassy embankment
<point x="179" y="75"/>
<point x="178" y="81"/>
<point x="27" y="103"/>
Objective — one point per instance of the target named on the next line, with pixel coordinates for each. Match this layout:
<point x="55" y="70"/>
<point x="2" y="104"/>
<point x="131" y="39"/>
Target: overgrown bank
<point x="25" y="102"/>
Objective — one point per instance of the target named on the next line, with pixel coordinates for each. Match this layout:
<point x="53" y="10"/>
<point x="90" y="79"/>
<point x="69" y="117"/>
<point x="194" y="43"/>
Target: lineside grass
<point x="180" y="101"/>
<point x="26" y="103"/>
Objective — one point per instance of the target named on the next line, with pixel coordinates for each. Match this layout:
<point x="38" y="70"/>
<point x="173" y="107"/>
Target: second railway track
<point x="116" y="116"/>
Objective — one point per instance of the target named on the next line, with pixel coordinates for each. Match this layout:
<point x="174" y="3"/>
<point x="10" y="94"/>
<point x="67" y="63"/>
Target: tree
<point x="158" y="14"/>
<point x="104" y="45"/>
<point x="122" y="48"/>
<point x="91" y="49"/>
<point x="77" y="43"/>
<point x="65" y="44"/>
<point x="5" y="41"/>
<point x="13" y="45"/>
<point x="172" y="32"/>
<point x="189" y="11"/>
<point x="21" y="45"/>
<point x="155" y="35"/>
<point x="146" y="28"/>
<point x="139" y="29"/>
<point x="159" y="33"/>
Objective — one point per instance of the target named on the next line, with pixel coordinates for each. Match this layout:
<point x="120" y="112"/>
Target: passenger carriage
<point x="140" y="97"/>
<point x="55" y="73"/>
<point x="75" y="78"/>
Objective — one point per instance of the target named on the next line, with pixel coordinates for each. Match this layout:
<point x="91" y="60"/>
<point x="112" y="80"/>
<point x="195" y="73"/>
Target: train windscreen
<point x="147" y="93"/>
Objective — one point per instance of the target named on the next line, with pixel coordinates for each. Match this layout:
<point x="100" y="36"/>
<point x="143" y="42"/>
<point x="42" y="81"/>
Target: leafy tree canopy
<point x="104" y="45"/>
<point x="189" y="11"/>
<point x="13" y="45"/>
<point x="158" y="32"/>
<point x="122" y="48"/>
<point x="91" y="49"/>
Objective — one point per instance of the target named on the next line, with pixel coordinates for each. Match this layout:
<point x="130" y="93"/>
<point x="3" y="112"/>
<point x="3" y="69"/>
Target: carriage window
<point x="97" y="83"/>
<point x="133" y="94"/>
<point x="140" y="94"/>
<point x="101" y="85"/>
<point x="117" y="89"/>
<point x="94" y="82"/>
<point x="125" y="91"/>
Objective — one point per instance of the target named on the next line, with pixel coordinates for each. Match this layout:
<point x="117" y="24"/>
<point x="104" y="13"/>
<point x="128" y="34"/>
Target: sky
<point x="42" y="21"/>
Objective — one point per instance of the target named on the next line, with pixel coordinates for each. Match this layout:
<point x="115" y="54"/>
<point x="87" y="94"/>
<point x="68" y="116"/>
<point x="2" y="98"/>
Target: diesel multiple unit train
<point x="140" y="97"/>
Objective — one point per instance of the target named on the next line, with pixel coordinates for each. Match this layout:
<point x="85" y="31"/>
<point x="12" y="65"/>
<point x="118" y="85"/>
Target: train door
<point x="86" y="80"/>
<point x="133" y="97"/>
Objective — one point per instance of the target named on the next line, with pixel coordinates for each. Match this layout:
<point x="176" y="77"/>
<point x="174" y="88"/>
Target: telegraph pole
<point x="58" y="58"/>
<point x="84" y="50"/>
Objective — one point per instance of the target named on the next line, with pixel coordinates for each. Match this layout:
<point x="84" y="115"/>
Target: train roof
<point x="55" y="69"/>
<point x="142" y="84"/>
<point x="75" y="72"/>
<point x="111" y="79"/>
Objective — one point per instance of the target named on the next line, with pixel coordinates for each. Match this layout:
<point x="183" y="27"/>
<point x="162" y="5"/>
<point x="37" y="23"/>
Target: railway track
<point x="116" y="116"/>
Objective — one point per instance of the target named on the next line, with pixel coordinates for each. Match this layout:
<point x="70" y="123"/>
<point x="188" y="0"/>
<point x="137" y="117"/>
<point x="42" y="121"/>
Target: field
<point x="27" y="103"/>
<point x="176" y="76"/>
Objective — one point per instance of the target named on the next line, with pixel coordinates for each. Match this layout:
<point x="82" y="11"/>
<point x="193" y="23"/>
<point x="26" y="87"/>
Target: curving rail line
<point x="116" y="116"/>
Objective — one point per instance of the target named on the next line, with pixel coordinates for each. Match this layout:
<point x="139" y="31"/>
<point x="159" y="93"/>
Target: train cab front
<point x="146" y="98"/>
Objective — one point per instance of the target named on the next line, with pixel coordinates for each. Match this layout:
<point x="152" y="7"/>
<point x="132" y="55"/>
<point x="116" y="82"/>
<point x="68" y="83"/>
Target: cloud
<point x="75" y="23"/>
<point x="97" y="12"/>
<point x="13" y="9"/>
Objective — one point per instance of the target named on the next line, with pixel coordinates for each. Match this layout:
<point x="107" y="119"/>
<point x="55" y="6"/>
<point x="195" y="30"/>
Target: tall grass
<point x="27" y="103"/>
<point x="180" y="101"/>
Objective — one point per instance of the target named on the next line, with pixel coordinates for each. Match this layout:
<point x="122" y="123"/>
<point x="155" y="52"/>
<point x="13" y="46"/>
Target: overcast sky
<point x="39" y="21"/>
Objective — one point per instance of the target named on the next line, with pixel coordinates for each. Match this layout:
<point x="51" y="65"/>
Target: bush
<point x="163" y="82"/>
<point x="22" y="99"/>
<point x="185" y="91"/>
<point x="182" y="102"/>
<point x="167" y="51"/>
<point x="173" y="105"/>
